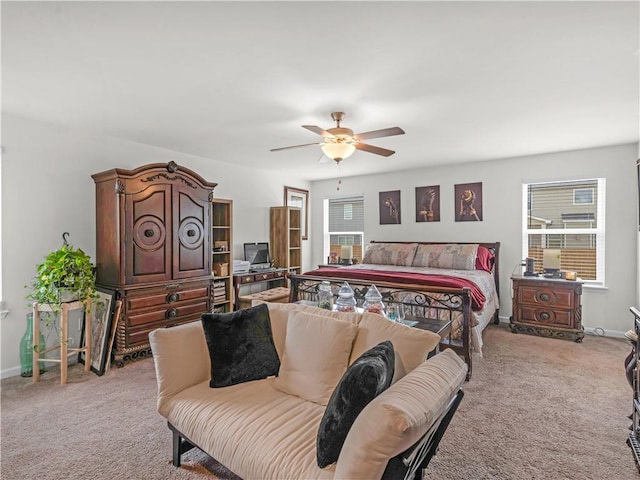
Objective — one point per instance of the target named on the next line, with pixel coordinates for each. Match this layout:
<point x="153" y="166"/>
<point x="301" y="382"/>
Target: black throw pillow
<point x="366" y="378"/>
<point x="240" y="345"/>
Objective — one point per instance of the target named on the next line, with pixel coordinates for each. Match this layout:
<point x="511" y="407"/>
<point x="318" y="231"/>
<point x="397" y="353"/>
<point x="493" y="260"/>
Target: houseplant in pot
<point x="65" y="275"/>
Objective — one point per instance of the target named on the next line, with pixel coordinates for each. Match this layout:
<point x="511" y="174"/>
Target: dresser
<point x="154" y="249"/>
<point x="548" y="307"/>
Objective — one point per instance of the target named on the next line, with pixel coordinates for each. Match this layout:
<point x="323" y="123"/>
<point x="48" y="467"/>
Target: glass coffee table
<point x="441" y="327"/>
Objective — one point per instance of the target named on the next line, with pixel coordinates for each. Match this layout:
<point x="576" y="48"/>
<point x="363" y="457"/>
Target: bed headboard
<point x="493" y="247"/>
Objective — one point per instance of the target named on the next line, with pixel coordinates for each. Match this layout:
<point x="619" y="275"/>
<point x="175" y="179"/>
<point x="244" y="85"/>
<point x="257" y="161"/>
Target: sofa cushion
<point x="411" y="345"/>
<point x="365" y="379"/>
<point x="279" y="314"/>
<point x="255" y="430"/>
<point x="397" y="418"/>
<point x="390" y="253"/>
<point x="316" y="355"/>
<point x="240" y="345"/>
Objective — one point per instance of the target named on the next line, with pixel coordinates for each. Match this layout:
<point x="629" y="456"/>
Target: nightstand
<point x="548" y="307"/>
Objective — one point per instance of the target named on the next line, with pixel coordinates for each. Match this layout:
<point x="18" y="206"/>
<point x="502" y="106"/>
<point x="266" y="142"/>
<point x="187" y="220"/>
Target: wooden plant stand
<point x="65" y="351"/>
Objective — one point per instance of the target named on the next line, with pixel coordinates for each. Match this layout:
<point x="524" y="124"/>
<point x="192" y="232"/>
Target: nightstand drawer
<point x="557" y="298"/>
<point x="545" y="316"/>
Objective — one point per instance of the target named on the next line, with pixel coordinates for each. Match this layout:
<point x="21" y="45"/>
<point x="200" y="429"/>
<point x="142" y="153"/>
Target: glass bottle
<point x="346" y="300"/>
<point x="26" y="349"/>
<point x="325" y="297"/>
<point x="373" y="301"/>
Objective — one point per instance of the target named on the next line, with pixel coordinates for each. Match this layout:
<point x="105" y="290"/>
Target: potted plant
<point x="65" y="275"/>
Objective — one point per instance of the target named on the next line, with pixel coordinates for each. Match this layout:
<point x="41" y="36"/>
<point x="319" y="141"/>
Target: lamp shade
<point x="338" y="151"/>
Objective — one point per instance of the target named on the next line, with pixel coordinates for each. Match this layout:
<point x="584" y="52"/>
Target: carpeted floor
<point x="535" y="409"/>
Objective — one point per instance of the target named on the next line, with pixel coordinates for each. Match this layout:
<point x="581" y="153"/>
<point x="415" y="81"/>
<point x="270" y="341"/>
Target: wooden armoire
<point x="153" y="248"/>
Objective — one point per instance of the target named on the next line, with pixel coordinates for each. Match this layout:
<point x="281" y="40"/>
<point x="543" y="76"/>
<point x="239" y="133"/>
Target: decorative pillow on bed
<point x="240" y="346"/>
<point x="364" y="380"/>
<point x="485" y="259"/>
<point x="390" y="253"/>
<point x="457" y="256"/>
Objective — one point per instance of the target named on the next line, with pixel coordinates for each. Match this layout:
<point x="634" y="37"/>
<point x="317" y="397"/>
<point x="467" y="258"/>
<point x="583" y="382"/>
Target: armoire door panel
<point x="148" y="242"/>
<point x="191" y="241"/>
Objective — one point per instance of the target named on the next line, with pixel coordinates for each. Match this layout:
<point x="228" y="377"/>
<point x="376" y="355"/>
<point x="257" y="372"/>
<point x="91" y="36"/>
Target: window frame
<point x="599" y="230"/>
<point x="326" y="234"/>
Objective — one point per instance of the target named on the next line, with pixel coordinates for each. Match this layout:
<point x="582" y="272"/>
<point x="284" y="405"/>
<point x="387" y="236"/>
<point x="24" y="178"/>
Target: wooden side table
<point x="548" y="307"/>
<point x="65" y="351"/>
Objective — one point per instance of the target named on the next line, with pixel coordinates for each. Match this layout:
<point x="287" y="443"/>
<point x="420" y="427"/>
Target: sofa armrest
<point x="181" y="358"/>
<point x="398" y="417"/>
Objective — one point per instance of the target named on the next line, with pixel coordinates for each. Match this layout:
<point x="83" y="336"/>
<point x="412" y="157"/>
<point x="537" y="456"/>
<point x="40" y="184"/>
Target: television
<point x="257" y="253"/>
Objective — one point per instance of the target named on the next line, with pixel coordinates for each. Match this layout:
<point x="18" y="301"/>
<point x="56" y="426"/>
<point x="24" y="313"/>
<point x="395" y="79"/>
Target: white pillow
<point x="316" y="355"/>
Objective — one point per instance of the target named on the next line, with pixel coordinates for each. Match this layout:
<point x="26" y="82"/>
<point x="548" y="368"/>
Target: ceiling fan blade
<point x="294" y="146"/>
<point x="385" y="132"/>
<point x="373" y="149"/>
<point x="318" y="130"/>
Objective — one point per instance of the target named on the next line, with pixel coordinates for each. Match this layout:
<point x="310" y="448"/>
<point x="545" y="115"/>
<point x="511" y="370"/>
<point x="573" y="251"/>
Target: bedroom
<point x="55" y="135"/>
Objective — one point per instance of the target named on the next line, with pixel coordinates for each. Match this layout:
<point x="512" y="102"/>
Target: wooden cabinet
<point x="547" y="307"/>
<point x="285" y="238"/>
<point x="154" y="248"/>
<point x="222" y="254"/>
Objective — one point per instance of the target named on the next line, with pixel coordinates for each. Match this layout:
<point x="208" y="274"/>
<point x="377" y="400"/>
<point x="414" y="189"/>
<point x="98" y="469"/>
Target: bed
<point x="448" y="281"/>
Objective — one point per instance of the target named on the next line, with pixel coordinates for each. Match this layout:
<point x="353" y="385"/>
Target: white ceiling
<point x="467" y="81"/>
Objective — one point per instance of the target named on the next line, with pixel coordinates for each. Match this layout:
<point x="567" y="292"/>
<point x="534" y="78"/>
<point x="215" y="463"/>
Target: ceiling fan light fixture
<point x="338" y="151"/>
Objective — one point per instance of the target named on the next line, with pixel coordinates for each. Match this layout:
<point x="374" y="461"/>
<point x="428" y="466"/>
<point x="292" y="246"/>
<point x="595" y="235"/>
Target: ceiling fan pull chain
<point x="338" y="177"/>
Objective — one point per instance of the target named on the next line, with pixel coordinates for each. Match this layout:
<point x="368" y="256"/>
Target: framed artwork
<point x="114" y="328"/>
<point x="428" y="204"/>
<point x="390" y="207"/>
<point x="468" y="202"/>
<point x="297" y="197"/>
<point x="102" y="309"/>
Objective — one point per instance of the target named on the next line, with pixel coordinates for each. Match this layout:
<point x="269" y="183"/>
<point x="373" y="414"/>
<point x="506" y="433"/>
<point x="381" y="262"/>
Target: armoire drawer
<point x="167" y="312"/>
<point x="166" y="297"/>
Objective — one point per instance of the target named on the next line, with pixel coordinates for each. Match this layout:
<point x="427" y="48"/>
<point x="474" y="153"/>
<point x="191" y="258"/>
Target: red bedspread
<point x="477" y="297"/>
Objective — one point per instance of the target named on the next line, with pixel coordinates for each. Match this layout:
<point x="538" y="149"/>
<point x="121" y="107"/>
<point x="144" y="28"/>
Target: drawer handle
<point x="545" y="316"/>
<point x="148" y="233"/>
<point x="173" y="297"/>
<point x="171" y="313"/>
<point x="545" y="297"/>
<point x="191" y="233"/>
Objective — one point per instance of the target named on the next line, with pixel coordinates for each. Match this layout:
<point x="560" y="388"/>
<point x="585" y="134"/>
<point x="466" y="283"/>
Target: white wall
<point x="502" y="221"/>
<point x="47" y="189"/>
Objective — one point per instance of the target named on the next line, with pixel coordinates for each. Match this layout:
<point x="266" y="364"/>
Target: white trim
<point x="599" y="230"/>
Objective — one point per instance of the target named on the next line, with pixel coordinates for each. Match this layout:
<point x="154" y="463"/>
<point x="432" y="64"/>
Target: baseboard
<point x="10" y="372"/>
<point x="593" y="331"/>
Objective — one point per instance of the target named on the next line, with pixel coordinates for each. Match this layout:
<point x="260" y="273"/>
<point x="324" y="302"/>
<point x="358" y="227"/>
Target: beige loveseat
<point x="260" y="432"/>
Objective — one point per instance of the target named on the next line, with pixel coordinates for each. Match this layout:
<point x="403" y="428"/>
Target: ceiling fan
<point x="340" y="142"/>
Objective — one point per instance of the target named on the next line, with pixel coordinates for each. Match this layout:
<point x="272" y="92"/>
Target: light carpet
<point x="535" y="408"/>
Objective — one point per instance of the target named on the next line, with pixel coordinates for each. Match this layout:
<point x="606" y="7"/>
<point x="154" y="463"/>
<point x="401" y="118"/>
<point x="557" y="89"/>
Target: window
<point x="344" y="225"/>
<point x="568" y="216"/>
<point x="583" y="196"/>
